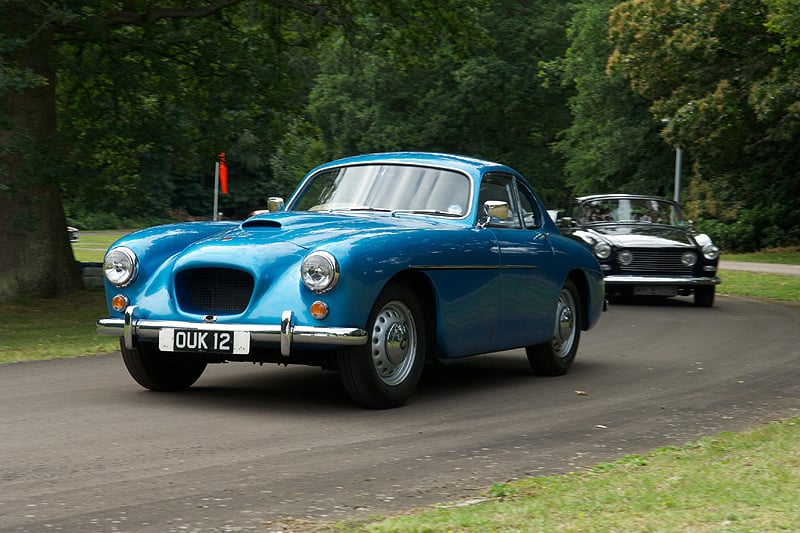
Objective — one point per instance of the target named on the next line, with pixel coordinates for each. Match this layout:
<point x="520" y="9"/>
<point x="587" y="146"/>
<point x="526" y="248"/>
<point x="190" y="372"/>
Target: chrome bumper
<point x="285" y="334"/>
<point x="661" y="280"/>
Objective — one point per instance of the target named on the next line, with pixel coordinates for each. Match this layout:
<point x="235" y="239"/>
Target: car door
<point x="527" y="285"/>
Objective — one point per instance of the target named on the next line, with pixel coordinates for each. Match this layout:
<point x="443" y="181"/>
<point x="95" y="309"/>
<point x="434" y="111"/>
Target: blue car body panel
<point x="491" y="288"/>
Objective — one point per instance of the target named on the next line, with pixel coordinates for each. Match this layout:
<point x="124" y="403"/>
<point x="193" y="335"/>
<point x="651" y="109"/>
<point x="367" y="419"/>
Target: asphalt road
<point x="249" y="448"/>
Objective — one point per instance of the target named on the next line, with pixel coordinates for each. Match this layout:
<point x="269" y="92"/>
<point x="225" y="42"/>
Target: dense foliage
<point x="581" y="96"/>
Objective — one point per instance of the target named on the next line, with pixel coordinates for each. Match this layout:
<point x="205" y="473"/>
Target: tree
<point x="462" y="78"/>
<point x="612" y="143"/>
<point x="725" y="71"/>
<point x="42" y="40"/>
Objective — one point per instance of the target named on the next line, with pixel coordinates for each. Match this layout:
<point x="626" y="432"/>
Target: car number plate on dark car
<point x="192" y="340"/>
<point x="655" y="290"/>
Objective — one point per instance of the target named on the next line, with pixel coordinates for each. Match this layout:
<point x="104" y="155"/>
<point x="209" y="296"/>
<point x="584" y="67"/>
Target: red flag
<point x="223" y="173"/>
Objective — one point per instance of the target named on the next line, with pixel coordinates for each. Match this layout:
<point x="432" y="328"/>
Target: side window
<point x="531" y="216"/>
<point x="500" y="187"/>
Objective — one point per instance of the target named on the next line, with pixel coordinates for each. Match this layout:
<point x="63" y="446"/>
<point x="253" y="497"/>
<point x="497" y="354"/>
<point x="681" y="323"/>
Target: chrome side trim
<point x="661" y="280"/>
<point x="284" y="334"/>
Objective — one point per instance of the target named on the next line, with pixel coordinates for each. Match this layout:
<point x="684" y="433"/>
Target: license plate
<point x="192" y="340"/>
<point x="655" y="291"/>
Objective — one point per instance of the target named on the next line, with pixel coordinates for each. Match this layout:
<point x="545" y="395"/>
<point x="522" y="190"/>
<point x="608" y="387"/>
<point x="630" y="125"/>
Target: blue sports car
<point x="375" y="265"/>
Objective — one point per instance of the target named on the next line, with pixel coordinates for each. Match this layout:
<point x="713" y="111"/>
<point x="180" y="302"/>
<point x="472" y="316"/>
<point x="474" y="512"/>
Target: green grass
<point x="756" y="285"/>
<point x="51" y="328"/>
<point x="92" y="246"/>
<point x="743" y="482"/>
<point x="781" y="256"/>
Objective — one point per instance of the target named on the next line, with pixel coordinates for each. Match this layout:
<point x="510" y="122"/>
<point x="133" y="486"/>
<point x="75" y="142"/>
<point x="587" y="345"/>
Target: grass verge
<point x="781" y="256"/>
<point x="764" y="286"/>
<point x="47" y="329"/>
<point x="743" y="482"/>
<point x="92" y="246"/>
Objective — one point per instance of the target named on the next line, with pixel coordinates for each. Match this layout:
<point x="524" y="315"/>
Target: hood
<point x="643" y="235"/>
<point x="279" y="239"/>
<point x="311" y="229"/>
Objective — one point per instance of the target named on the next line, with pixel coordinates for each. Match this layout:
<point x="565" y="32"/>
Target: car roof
<point x="453" y="161"/>
<point x="621" y="196"/>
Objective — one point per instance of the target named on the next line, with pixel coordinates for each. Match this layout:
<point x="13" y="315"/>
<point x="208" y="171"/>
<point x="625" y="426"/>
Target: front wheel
<point x="384" y="372"/>
<point x="555" y="357"/>
<point x="704" y="296"/>
<point x="160" y="371"/>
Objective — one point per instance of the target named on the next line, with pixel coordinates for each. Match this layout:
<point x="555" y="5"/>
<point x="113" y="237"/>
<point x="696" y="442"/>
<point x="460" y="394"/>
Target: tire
<point x="555" y="357"/>
<point x="159" y="371"/>
<point x="704" y="296"/>
<point x="384" y="372"/>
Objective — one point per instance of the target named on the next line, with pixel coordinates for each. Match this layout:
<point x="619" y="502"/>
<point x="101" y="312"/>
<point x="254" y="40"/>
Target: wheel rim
<point x="394" y="343"/>
<point x="565" y="330"/>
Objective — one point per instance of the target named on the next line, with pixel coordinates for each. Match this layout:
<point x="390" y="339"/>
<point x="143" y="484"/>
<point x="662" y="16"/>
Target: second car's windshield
<point x="630" y="210"/>
<point x="386" y="187"/>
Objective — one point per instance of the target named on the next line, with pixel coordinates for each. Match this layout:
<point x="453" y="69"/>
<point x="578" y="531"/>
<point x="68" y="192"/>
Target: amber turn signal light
<point x="319" y="310"/>
<point x="119" y="302"/>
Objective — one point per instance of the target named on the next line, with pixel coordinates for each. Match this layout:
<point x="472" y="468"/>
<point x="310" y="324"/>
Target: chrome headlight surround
<point x="602" y="250"/>
<point x="711" y="252"/>
<point x="319" y="271"/>
<point x="625" y="257"/>
<point x="689" y="258"/>
<point x="121" y="266"/>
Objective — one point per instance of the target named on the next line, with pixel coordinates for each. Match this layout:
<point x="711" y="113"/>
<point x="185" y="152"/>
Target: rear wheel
<point x="160" y="371"/>
<point x="704" y="296"/>
<point x="384" y="372"/>
<point x="555" y="357"/>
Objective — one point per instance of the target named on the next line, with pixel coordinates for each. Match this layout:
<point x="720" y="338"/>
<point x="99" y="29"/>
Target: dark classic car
<point x="375" y="265"/>
<point x="645" y="247"/>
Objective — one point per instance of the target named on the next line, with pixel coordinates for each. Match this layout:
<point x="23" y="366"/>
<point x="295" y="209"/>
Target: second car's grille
<point x="214" y="290"/>
<point x="657" y="261"/>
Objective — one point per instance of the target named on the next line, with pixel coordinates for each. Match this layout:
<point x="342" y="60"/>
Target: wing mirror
<point x="493" y="209"/>
<point x="274" y="203"/>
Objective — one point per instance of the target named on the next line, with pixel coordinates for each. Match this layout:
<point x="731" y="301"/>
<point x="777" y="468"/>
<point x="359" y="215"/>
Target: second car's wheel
<point x="384" y="372"/>
<point x="160" y="371"/>
<point x="704" y="296"/>
<point x="555" y="357"/>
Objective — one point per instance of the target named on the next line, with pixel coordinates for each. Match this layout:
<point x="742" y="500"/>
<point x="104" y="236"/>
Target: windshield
<point x="647" y="210"/>
<point x="386" y="188"/>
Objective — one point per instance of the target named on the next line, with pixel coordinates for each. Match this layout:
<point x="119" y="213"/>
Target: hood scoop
<point x="261" y="223"/>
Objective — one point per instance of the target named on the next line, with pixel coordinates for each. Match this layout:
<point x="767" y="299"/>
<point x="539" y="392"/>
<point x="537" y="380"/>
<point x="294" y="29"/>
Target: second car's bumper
<point x="284" y="334"/>
<point x="681" y="281"/>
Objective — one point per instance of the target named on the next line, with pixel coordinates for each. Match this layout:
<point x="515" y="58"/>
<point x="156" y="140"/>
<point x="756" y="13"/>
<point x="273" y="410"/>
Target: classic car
<point x="375" y="265"/>
<point x="645" y="247"/>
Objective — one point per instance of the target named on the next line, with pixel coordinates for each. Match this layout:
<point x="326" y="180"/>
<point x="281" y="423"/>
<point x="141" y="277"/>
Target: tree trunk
<point x="36" y="257"/>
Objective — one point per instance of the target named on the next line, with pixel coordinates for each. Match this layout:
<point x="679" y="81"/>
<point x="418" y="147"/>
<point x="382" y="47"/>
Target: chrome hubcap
<point x="394" y="343"/>
<point x="564" y="334"/>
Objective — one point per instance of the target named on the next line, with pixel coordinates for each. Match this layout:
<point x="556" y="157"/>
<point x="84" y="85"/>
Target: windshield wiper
<point x="360" y="208"/>
<point x="437" y="212"/>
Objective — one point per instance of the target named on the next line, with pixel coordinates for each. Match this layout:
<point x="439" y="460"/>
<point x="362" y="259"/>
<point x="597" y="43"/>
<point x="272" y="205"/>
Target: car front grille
<point x="648" y="261"/>
<point x="214" y="290"/>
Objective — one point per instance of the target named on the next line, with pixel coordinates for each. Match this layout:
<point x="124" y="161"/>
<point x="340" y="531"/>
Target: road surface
<point x="250" y="448"/>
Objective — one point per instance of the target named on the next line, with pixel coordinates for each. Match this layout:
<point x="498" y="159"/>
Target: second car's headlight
<point x="710" y="252"/>
<point x="320" y="271"/>
<point x="121" y="266"/>
<point x="602" y="250"/>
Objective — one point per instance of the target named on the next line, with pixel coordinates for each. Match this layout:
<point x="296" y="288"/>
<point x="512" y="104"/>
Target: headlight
<point x="320" y="271"/>
<point x="121" y="266"/>
<point x="710" y="252"/>
<point x="689" y="258"/>
<point x="625" y="257"/>
<point x="602" y="250"/>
